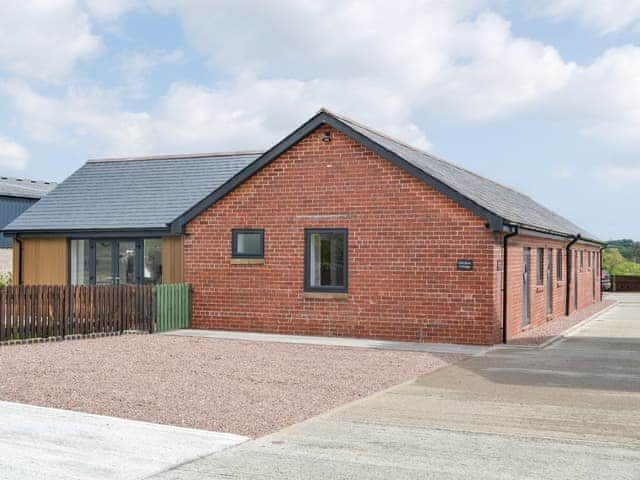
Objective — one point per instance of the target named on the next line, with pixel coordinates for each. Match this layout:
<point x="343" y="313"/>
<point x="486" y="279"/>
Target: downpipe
<point x="505" y="241"/>
<point x="570" y="267"/>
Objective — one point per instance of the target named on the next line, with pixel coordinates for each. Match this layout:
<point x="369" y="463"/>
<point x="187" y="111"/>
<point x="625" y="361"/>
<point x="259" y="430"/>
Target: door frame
<point x="549" y="274"/>
<point x="526" y="286"/>
<point x="575" y="281"/>
<point x="115" y="263"/>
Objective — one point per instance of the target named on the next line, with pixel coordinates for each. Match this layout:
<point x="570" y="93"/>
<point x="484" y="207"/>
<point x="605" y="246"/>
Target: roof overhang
<point x="91" y="233"/>
<point x="532" y="231"/>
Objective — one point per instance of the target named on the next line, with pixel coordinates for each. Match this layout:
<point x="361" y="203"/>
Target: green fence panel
<point x="173" y="307"/>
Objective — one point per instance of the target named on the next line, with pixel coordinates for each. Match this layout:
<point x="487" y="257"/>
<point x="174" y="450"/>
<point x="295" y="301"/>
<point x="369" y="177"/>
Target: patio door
<point x="549" y="281"/>
<point x="526" y="256"/>
<point x="116" y="262"/>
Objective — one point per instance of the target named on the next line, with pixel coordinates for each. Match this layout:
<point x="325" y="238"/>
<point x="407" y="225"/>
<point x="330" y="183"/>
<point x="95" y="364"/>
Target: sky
<point x="541" y="95"/>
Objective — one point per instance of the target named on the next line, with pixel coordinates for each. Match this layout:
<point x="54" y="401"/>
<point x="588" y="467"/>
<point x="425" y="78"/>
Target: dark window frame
<point x="234" y="243"/>
<point x="559" y="265"/>
<point x="115" y="265"/>
<point x="307" y="259"/>
<point x="540" y="266"/>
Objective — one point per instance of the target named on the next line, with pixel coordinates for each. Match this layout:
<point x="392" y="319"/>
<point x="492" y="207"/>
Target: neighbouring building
<point x="336" y="230"/>
<point x="16" y="195"/>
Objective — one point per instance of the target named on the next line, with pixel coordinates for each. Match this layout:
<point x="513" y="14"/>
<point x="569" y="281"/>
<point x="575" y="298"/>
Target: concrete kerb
<point x="577" y="326"/>
<point x="558" y="337"/>
<point x="338" y="342"/>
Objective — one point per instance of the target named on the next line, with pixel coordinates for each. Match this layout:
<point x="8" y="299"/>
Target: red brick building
<point x="340" y="230"/>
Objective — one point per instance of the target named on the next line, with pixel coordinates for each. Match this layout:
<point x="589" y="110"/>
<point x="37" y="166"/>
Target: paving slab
<point x="332" y="341"/>
<point x="568" y="411"/>
<point x="46" y="443"/>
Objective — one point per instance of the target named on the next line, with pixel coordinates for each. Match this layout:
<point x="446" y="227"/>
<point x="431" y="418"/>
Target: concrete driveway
<point x="45" y="443"/>
<point x="570" y="411"/>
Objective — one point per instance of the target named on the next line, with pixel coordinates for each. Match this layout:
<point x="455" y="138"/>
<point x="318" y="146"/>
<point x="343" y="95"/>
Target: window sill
<point x="247" y="261"/>
<point x="539" y="288"/>
<point x="326" y="296"/>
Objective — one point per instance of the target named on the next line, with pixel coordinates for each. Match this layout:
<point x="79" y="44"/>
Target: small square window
<point x="326" y="260"/>
<point x="247" y="243"/>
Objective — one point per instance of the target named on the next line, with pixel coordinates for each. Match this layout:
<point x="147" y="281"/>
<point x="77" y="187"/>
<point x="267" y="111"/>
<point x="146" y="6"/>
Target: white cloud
<point x="12" y="155"/>
<point x="438" y="55"/>
<point x="110" y="10"/>
<point x="44" y="39"/>
<point x="90" y="117"/>
<point x="603" y="98"/>
<point x="603" y="16"/>
<point x="247" y="113"/>
<point x="137" y="66"/>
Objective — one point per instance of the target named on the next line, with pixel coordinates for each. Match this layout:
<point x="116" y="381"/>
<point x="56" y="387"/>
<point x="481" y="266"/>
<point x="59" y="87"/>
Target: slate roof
<point x="163" y="192"/>
<point x="24" y="188"/>
<point x="514" y="207"/>
<point x="131" y="193"/>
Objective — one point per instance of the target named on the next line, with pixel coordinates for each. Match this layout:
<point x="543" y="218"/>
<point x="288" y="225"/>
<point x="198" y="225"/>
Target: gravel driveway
<point x="247" y="388"/>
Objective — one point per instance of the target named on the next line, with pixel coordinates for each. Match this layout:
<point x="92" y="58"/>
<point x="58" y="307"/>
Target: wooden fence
<point x="42" y="311"/>
<point x="625" y="283"/>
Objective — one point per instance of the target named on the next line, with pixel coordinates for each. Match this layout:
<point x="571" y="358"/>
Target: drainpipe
<point x="569" y="274"/>
<point x="505" y="240"/>
<point x="18" y="281"/>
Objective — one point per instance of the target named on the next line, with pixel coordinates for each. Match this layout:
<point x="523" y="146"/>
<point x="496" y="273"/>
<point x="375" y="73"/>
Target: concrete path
<point x="570" y="411"/>
<point x="333" y="341"/>
<point x="45" y="443"/>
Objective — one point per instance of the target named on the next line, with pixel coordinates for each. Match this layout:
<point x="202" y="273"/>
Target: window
<point x="247" y="243"/>
<point x="540" y="266"/>
<point x="589" y="259"/>
<point x="559" y="264"/>
<point x="115" y="261"/>
<point x="581" y="259"/>
<point x="80" y="262"/>
<point x="152" y="261"/>
<point x="326" y="260"/>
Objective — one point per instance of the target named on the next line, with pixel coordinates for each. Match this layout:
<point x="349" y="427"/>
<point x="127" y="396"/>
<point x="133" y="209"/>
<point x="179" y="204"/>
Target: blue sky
<point x="541" y="95"/>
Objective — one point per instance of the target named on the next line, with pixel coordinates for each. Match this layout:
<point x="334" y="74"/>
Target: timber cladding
<point x="45" y="261"/>
<point x="173" y="259"/>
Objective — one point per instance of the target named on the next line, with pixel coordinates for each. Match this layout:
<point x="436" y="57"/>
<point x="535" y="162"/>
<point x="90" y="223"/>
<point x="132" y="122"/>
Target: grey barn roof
<point x="513" y="206"/>
<point x="24" y="188"/>
<point x="166" y="192"/>
<point x="132" y="193"/>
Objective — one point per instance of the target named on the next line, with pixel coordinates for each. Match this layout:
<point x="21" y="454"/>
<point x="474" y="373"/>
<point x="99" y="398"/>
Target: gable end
<point x="494" y="221"/>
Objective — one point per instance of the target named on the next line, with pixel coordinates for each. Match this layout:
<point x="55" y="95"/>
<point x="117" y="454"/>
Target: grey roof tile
<point x="511" y="205"/>
<point x="24" y="188"/>
<point x="142" y="193"/>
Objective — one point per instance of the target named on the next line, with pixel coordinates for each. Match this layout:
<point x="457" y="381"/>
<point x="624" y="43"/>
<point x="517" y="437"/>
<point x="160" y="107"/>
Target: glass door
<point x="116" y="262"/>
<point x="126" y="264"/>
<point x="104" y="263"/>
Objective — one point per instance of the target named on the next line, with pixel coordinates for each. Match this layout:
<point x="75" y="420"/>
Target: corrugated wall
<point x="10" y="208"/>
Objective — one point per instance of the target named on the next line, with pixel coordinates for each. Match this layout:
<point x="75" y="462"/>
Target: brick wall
<point x="404" y="240"/>
<point x="538" y="293"/>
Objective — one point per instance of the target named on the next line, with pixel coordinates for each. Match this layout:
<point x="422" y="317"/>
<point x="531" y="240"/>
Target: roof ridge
<point x="27" y="180"/>
<point x="419" y="150"/>
<point x="238" y="153"/>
